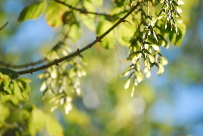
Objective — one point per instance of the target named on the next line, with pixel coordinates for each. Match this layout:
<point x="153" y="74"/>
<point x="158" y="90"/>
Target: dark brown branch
<point x="79" y="51"/>
<point x="81" y="10"/>
<point x="19" y="66"/>
<point x="23" y="65"/>
<point x="2" y="27"/>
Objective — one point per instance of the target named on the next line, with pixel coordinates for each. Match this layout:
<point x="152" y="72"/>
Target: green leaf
<point x="14" y="91"/>
<point x="25" y="114"/>
<point x="4" y="81"/>
<point x="109" y="40"/>
<point x="36" y="121"/>
<point x="52" y="126"/>
<point x="39" y="120"/>
<point x="24" y="86"/>
<point x="72" y="2"/>
<point x="54" y="13"/>
<point x="97" y="3"/>
<point x="10" y="99"/>
<point x="177" y="39"/>
<point x="89" y="6"/>
<point x="32" y="11"/>
<point x="125" y="33"/>
<point x="17" y="91"/>
<point x="180" y="36"/>
<point x="3" y="114"/>
<point x="12" y="74"/>
<point x="87" y="21"/>
<point x="74" y="32"/>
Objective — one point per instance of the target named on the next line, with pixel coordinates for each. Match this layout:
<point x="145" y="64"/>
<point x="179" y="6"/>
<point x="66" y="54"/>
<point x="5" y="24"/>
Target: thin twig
<point x="23" y="65"/>
<point x="4" y="26"/>
<point x="79" y="51"/>
<point x="82" y="10"/>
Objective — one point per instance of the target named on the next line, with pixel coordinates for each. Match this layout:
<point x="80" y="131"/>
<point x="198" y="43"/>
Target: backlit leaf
<point x="52" y="126"/>
<point x="109" y="40"/>
<point x="177" y="39"/>
<point x="32" y="11"/>
<point x="97" y="3"/>
<point x="36" y="121"/>
<point x="54" y="13"/>
<point x="3" y="114"/>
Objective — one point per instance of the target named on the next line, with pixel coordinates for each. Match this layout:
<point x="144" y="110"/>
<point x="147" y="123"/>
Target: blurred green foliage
<point x="105" y="108"/>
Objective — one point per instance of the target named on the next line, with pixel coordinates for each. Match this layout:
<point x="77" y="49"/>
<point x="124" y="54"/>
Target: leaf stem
<point x="2" y="27"/>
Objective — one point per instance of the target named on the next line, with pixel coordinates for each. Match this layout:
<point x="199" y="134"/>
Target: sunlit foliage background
<point x="169" y="105"/>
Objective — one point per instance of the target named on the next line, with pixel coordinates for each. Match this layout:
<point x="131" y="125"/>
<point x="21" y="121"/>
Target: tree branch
<point x="79" y="51"/>
<point x="84" y="11"/>
<point x="23" y="65"/>
<point x="2" y="27"/>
